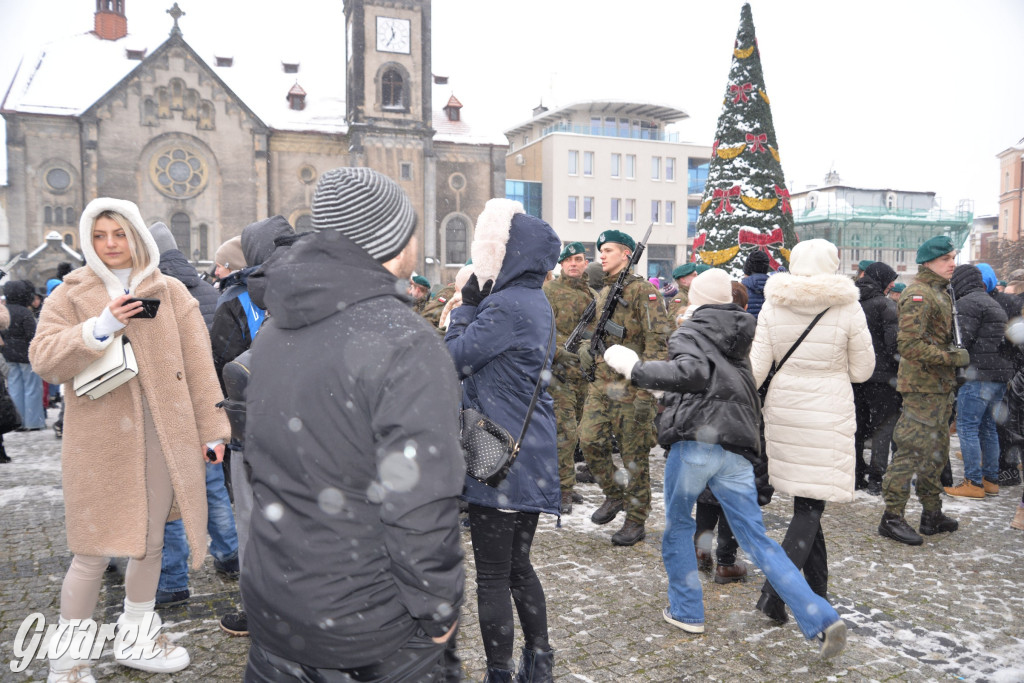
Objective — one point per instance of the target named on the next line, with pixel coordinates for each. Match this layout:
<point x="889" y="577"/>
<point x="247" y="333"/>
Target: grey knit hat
<point x="163" y="237"/>
<point x="367" y="207"/>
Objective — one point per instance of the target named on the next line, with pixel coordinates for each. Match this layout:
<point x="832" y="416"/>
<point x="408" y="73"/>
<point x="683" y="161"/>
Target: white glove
<point x="621" y="360"/>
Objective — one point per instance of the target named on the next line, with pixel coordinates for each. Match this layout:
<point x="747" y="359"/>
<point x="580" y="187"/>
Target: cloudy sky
<point x="907" y="94"/>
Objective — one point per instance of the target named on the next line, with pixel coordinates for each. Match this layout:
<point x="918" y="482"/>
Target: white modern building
<point x="601" y="165"/>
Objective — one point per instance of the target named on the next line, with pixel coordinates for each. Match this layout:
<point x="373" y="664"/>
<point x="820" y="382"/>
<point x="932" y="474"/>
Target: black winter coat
<point x="22" y="329"/>
<point x="351" y="433"/>
<point x="755" y="292"/>
<point x="882" y="316"/>
<point x="174" y="264"/>
<point x="713" y="398"/>
<point x="983" y="326"/>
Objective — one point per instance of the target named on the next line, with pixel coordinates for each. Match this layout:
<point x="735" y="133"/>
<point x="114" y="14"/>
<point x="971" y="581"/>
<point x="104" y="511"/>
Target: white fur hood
<point x="810" y="293"/>
<point x="130" y="211"/>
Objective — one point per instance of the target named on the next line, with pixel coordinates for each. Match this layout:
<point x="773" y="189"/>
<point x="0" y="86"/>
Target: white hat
<point x="814" y="257"/>
<point x="713" y="286"/>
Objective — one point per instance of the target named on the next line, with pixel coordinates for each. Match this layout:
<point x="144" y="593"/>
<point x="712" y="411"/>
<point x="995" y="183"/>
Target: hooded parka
<point x="103" y="451"/>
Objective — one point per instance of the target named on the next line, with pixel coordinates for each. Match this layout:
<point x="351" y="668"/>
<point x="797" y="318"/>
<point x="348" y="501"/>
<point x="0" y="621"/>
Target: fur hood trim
<point x="810" y="292"/>
<point x="491" y="237"/>
<point x="130" y="211"/>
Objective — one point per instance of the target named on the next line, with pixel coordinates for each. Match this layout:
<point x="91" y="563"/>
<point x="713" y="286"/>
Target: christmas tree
<point x="746" y="203"/>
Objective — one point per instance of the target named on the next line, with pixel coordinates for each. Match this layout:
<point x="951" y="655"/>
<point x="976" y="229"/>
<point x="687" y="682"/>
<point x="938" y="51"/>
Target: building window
<point x="58" y="215"/>
<point x="588" y="163"/>
<point x="660" y="260"/>
<point x="630" y="210"/>
<point x="178" y="173"/>
<point x="697" y="175"/>
<point x="901" y="256"/>
<point x="574" y="160"/>
<point x="595" y="125"/>
<point x="529" y="194"/>
<point x="573" y="202"/>
<point x="655" y="168"/>
<point x="58" y="179"/>
<point x="692" y="214"/>
<point x="307" y="174"/>
<point x="204" y="242"/>
<point x="630" y="166"/>
<point x="48" y="215"/>
<point x="890" y="201"/>
<point x="456" y="237"/>
<point x="406" y="170"/>
<point x="392" y="90"/>
<point x="655" y="211"/>
<point x="181" y="229"/>
<point x="69" y="216"/>
<point x="615" y="208"/>
<point x="670" y="169"/>
<point x="616" y="161"/>
<point x="670" y="213"/>
<point x="588" y="208"/>
<point x="290" y="67"/>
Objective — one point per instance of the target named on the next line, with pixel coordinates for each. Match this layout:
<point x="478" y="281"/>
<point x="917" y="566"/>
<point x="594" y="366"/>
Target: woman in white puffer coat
<point x="808" y="412"/>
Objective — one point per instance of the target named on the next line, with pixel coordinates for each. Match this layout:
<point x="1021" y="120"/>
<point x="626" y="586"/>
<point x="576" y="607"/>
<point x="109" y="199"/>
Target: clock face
<point x="393" y="35"/>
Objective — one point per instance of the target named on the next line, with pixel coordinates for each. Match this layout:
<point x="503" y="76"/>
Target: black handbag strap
<point x="800" y="339"/>
<point x="536" y="389"/>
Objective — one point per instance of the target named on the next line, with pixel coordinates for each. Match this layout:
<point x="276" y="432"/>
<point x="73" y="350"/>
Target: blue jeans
<point x="26" y="391"/>
<point x="220" y="525"/>
<point x="691" y="466"/>
<point x="976" y="426"/>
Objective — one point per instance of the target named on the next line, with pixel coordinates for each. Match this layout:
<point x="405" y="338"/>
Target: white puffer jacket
<point x="809" y="415"/>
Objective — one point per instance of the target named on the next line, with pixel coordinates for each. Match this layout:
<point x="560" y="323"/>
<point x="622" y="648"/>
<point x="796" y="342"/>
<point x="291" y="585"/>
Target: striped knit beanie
<point x="367" y="207"/>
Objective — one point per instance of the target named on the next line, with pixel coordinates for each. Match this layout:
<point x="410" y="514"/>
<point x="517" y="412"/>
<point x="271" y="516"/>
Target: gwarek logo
<point x="82" y="638"/>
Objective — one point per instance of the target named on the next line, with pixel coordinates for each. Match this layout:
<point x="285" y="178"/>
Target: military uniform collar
<point x="931" y="278"/>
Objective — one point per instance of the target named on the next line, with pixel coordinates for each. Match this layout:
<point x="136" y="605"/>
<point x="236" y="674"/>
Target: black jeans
<point x="707" y="516"/>
<point x="420" y="659"/>
<point x="501" y="551"/>
<point x="805" y="545"/>
<point x="878" y="406"/>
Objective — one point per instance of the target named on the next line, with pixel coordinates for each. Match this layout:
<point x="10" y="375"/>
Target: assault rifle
<point x="958" y="337"/>
<point x="604" y="324"/>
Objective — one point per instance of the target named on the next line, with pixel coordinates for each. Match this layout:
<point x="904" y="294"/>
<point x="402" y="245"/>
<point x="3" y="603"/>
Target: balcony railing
<point x="610" y="132"/>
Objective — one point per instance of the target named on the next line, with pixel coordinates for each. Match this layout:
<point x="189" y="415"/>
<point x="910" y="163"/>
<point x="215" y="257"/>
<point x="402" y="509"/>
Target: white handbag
<point x="116" y="366"/>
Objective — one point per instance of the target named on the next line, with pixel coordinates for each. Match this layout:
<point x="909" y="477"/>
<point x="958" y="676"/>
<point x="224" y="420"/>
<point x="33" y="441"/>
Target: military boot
<point x="934" y="522"/>
<point x="606" y="513"/>
<point x="566" y="502"/>
<point x="631" y="533"/>
<point x="895" y="527"/>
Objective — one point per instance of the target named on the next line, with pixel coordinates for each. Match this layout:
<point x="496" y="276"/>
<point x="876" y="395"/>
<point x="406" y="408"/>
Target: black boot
<point x="934" y="522"/>
<point x="495" y="675"/>
<point x="631" y="533"/>
<point x="4" y="458"/>
<point x="895" y="527"/>
<point x="536" y="667"/>
<point x="584" y="476"/>
<point x="606" y="513"/>
<point x="773" y="606"/>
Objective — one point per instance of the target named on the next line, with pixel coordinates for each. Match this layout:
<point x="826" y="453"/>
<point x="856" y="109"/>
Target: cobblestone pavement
<point x="948" y="610"/>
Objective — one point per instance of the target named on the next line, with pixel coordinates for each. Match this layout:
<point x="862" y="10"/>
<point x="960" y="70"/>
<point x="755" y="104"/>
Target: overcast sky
<point x="905" y="94"/>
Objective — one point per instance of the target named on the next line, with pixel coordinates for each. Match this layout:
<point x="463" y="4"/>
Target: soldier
<point x="432" y="309"/>
<point x="926" y="378"/>
<point x="569" y="295"/>
<point x="419" y="290"/>
<point x="683" y="275"/>
<point x="616" y="409"/>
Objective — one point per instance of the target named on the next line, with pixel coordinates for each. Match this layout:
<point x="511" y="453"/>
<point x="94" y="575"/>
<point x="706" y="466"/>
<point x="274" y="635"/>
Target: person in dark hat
<point x="419" y="290"/>
<point x="683" y="276"/>
<point x="862" y="266"/>
<point x="350" y="415"/>
<point x="756" y="269"/>
<point x="896" y="291"/>
<point x="926" y="378"/>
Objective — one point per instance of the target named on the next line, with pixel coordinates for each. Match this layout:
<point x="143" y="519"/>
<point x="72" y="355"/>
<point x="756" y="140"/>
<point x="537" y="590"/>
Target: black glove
<point x="472" y="295"/>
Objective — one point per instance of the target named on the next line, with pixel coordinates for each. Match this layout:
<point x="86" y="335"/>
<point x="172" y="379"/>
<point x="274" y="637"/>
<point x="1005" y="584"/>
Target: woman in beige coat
<point x="808" y="412"/>
<point x="134" y="457"/>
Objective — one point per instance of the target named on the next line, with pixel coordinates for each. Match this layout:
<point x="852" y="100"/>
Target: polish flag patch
<point x="652" y="297"/>
<point x="442" y="299"/>
<point x="917" y="298"/>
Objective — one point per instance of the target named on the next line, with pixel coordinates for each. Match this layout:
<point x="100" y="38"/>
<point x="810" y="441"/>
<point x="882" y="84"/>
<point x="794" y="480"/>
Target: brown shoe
<point x="991" y="488"/>
<point x="606" y="513"/>
<point x="705" y="562"/>
<point x="966" y="489"/>
<point x="631" y="533"/>
<point x="566" y="502"/>
<point x="1018" y="519"/>
<point x="728" y="573"/>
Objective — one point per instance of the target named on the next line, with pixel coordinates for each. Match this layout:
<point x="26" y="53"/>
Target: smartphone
<point x="149" y="307"/>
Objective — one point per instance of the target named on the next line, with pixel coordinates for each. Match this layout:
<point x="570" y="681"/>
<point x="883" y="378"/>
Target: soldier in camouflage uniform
<point x="569" y="295"/>
<point x="419" y="290"/>
<point x="683" y="275"/>
<point x="926" y="378"/>
<point x="615" y="408"/>
<point x="432" y="309"/>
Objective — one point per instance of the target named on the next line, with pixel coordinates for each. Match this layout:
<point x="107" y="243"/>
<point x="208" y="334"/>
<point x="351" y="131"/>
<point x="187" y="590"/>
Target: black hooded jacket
<point x="983" y="326"/>
<point x="882" y="317"/>
<point x="22" y="329"/>
<point x="356" y="467"/>
<point x="713" y="398"/>
<point x="174" y="264"/>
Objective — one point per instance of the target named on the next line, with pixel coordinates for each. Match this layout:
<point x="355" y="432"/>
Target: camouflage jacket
<point x="677" y="305"/>
<point x="432" y="309"/>
<point x="646" y="332"/>
<point x="569" y="297"/>
<point x="925" y="339"/>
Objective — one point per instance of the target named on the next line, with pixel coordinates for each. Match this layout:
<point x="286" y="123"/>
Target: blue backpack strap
<point x="254" y="315"/>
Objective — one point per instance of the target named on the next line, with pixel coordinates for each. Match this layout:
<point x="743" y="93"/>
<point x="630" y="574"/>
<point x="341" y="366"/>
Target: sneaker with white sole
<point x="833" y="639"/>
<point x="688" y="627"/>
<point x="146" y="649"/>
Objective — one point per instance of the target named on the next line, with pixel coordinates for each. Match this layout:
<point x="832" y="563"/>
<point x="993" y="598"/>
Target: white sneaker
<point x="71" y="667"/>
<point x="686" y="626"/>
<point x="145" y="648"/>
<point x="79" y="673"/>
<point x="833" y="639"/>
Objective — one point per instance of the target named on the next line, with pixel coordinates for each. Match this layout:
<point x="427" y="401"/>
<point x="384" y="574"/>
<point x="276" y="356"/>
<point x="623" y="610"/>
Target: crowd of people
<point x="299" y="421"/>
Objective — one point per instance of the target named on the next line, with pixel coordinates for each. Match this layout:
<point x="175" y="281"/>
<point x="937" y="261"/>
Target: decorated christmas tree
<point x="746" y="203"/>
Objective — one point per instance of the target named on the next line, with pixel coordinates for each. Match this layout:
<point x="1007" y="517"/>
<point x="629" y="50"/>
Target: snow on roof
<point x="461" y="131"/>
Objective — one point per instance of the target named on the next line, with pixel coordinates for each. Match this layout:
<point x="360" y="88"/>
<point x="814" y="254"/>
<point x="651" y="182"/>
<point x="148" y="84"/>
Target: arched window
<point x="58" y="215"/>
<point x="456" y="239"/>
<point x="69" y="216"/>
<point x="890" y="201"/>
<point x="877" y="240"/>
<point x="181" y="229"/>
<point x="48" y="215"/>
<point x="392" y="90"/>
<point x="204" y="237"/>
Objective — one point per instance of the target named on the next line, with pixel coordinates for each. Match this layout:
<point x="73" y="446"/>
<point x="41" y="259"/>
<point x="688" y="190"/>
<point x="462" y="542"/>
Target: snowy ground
<point x="948" y="610"/>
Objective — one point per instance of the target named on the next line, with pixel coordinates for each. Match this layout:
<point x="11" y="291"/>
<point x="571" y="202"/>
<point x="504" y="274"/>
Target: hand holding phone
<point x="149" y="307"/>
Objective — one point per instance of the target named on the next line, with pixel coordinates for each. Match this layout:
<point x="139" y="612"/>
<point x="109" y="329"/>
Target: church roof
<point x="462" y="131"/>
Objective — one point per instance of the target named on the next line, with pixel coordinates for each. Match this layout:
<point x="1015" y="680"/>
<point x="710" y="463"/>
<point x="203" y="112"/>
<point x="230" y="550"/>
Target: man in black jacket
<point x="353" y="567"/>
<point x="24" y="386"/>
<point x="878" y="402"/>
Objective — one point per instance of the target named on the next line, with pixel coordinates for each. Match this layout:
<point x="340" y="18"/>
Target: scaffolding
<point x="852" y="227"/>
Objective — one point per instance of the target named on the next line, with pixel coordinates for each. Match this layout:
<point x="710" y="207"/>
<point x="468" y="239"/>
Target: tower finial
<point x="176" y="13"/>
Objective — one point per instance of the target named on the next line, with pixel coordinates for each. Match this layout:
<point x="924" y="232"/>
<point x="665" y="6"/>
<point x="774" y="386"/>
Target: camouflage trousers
<point x="632" y="424"/>
<point x="569" y="397"/>
<point x="922" y="448"/>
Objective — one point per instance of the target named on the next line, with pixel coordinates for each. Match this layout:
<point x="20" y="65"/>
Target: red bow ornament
<point x="740" y="92"/>
<point x="783" y="194"/>
<point x="762" y="241"/>
<point x="724" y="196"/>
<point x="698" y="242"/>
<point x="757" y="142"/>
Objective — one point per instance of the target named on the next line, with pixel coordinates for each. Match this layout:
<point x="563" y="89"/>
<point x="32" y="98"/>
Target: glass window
<point x="58" y="179"/>
<point x="631" y="166"/>
<point x="58" y="215"/>
<point x="573" y="201"/>
<point x="698" y="175"/>
<point x="692" y="214"/>
<point x="630" y="210"/>
<point x="529" y="194"/>
<point x="48" y="215"/>
<point x="181" y="229"/>
<point x="609" y="126"/>
<point x="648" y="130"/>
<point x="588" y="163"/>
<point x="391" y="90"/>
<point x="574" y="160"/>
<point x="655" y="168"/>
<point x="406" y="170"/>
<point x="623" y="128"/>
<point x="616" y="161"/>
<point x="616" y="205"/>
<point x="588" y="208"/>
<point x="670" y="169"/>
<point x="670" y="213"/>
<point x="655" y="210"/>
<point x="204" y="235"/>
<point x="456" y="234"/>
<point x="595" y="125"/>
<point x="69" y="216"/>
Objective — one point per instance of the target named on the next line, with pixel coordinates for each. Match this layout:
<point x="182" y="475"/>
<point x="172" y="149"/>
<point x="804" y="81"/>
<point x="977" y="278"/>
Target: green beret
<point x="898" y="287"/>
<point x="934" y="248"/>
<point x="1001" y="283"/>
<point x="863" y="265"/>
<point x="684" y="270"/>
<point x="702" y="267"/>
<point x="421" y="281"/>
<point x="618" y="237"/>
<point x="571" y="249"/>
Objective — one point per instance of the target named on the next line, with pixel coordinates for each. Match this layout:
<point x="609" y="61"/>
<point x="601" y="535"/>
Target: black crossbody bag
<point x="776" y="368"/>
